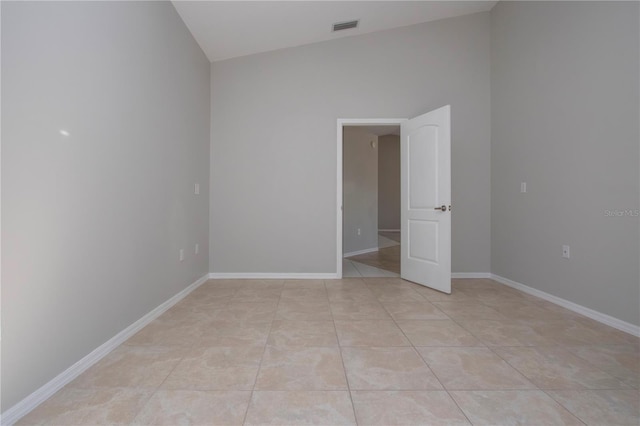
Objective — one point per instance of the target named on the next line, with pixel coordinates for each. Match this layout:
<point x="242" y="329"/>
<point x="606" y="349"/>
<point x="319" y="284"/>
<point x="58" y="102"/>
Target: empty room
<point x="178" y="237"/>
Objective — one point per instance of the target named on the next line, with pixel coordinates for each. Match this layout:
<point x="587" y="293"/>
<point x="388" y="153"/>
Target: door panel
<point x="424" y="244"/>
<point x="425" y="188"/>
<point x="423" y="166"/>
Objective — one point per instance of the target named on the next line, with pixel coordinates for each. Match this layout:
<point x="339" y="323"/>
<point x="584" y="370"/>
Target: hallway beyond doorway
<point x="382" y="263"/>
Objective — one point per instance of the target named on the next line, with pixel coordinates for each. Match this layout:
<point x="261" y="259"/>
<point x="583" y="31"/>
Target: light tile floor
<point x="372" y="351"/>
<point x="382" y="263"/>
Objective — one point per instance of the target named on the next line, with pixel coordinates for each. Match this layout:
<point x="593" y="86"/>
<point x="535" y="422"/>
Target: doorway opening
<point x="425" y="196"/>
<point x="368" y="187"/>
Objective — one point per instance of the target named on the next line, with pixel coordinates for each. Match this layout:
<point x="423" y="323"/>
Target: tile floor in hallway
<point x="368" y="351"/>
<point x="385" y="262"/>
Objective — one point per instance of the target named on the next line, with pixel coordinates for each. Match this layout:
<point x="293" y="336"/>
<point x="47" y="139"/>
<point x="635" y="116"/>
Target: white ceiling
<point x="228" y="29"/>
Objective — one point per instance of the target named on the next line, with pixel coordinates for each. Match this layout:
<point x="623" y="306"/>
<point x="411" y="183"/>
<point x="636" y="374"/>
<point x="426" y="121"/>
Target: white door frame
<point x="342" y="122"/>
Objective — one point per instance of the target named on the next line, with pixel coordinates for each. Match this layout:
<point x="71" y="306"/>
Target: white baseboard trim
<point x="587" y="312"/>
<point x="470" y="275"/>
<point x="355" y="253"/>
<point x="388" y="230"/>
<point x="25" y="406"/>
<point x="272" y="276"/>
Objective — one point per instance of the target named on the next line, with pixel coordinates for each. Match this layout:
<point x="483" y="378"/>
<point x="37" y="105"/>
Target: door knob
<point x="441" y="208"/>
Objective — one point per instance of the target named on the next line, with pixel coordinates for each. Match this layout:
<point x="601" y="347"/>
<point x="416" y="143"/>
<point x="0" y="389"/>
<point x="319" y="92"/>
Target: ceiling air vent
<point x="345" y="25"/>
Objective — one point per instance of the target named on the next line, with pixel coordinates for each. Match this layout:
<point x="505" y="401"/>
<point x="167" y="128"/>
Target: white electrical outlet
<point x="181" y="256"/>
<point x="196" y="189"/>
<point x="196" y="249"/>
<point x="523" y="187"/>
<point x="566" y="253"/>
<point x="359" y="231"/>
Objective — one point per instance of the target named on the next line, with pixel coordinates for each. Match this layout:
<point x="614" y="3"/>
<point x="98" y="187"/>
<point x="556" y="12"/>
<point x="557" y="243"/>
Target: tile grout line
<point x="155" y="391"/>
<point x="492" y="349"/>
<point x="563" y="349"/>
<point x="563" y="406"/>
<point x="264" y="351"/>
<point x="425" y="361"/>
<point x="538" y="388"/>
<point x="487" y="347"/>
<point x="344" y="368"/>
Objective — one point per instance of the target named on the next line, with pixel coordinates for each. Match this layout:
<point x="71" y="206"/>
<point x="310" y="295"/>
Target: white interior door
<point x="425" y="146"/>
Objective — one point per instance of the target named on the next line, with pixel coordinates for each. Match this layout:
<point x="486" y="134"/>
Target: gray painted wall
<point x="389" y="182"/>
<point x="274" y="149"/>
<point x="92" y="223"/>
<point x="565" y="120"/>
<point x="360" y="190"/>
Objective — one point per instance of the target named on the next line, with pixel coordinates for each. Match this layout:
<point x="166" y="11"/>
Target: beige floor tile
<point x="183" y="407"/>
<point x="387" y="369"/>
<point x="473" y="369"/>
<point x="249" y="294"/>
<point x="303" y="333"/>
<point x="230" y="283"/>
<point x="263" y="284"/>
<point x="498" y="333"/>
<point x="385" y="282"/>
<point x="216" y="368"/>
<point x="301" y="368"/>
<point x="206" y="293"/>
<point x="343" y="311"/>
<point x="413" y="311"/>
<point x="131" y="366"/>
<point x="370" y="333"/>
<point x="345" y="284"/>
<point x="167" y="331"/>
<point x="299" y="284"/>
<point x="187" y="308"/>
<point x="305" y="294"/>
<point x="532" y="407"/>
<point x="566" y="313"/>
<point x="406" y="408"/>
<point x="304" y="310"/>
<point x="247" y="312"/>
<point x="468" y="311"/>
<point x="576" y="333"/>
<point x="524" y="311"/>
<point x="601" y="407"/>
<point x="499" y="295"/>
<point x="437" y="333"/>
<point x="232" y="333"/>
<point x="357" y="295"/>
<point x="300" y="408"/>
<point x="397" y="295"/>
<point x="474" y="283"/>
<point x="608" y="335"/>
<point x="70" y="406"/>
<point x="495" y="300"/>
<point x="279" y="338"/>
<point x="438" y="296"/>
<point x="201" y="310"/>
<point x="622" y="362"/>
<point x="555" y="368"/>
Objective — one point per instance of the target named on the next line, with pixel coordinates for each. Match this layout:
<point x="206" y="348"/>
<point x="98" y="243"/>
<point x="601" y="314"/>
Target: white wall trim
<point x="388" y="230"/>
<point x="272" y="276"/>
<point x="355" y="253"/>
<point x="587" y="312"/>
<point x="341" y="123"/>
<point x="470" y="275"/>
<point x="23" y="407"/>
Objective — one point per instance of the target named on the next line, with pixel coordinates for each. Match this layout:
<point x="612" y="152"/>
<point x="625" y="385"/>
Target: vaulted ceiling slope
<point x="229" y="29"/>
